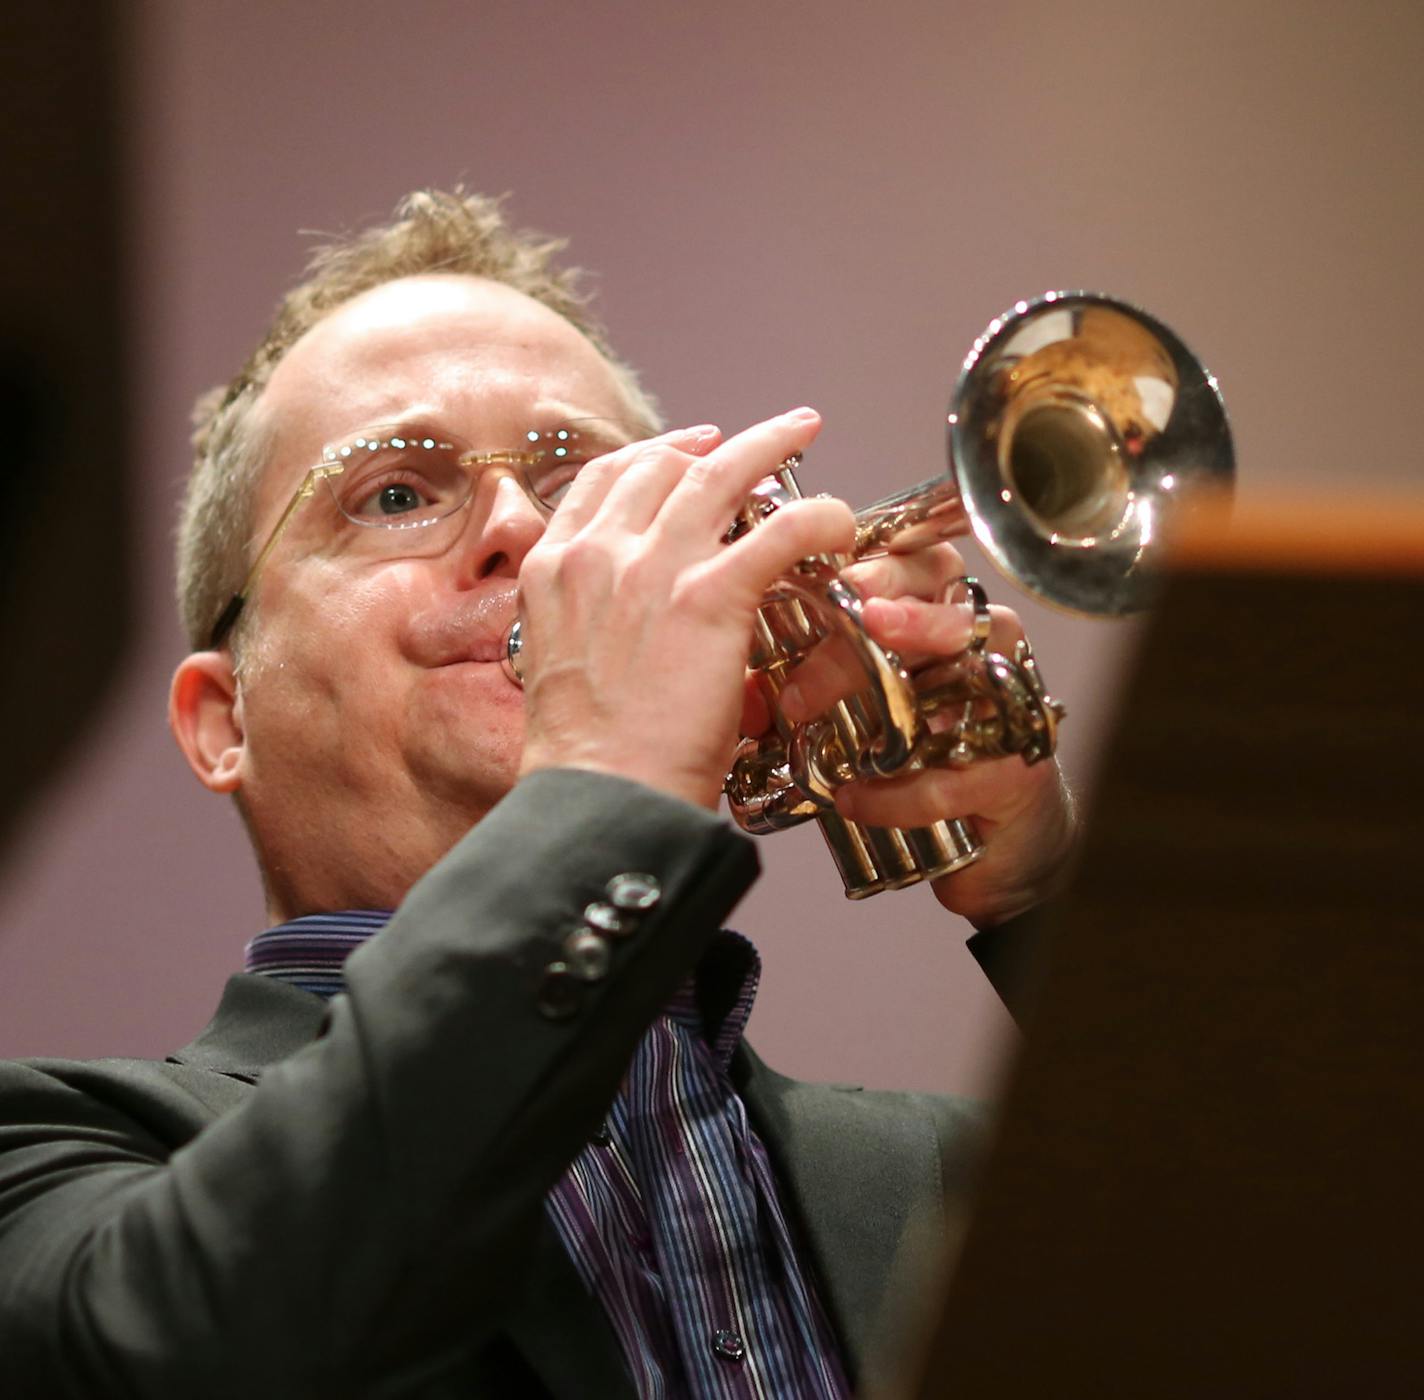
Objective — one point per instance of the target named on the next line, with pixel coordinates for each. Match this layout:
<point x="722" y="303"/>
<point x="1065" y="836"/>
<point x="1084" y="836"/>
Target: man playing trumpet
<point x="506" y="1140"/>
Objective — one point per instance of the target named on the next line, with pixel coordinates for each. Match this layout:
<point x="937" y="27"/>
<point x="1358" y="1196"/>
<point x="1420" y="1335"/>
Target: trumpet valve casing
<point x="775" y="783"/>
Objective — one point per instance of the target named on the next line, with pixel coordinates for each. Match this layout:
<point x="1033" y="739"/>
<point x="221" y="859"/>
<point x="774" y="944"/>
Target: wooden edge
<point x="1301" y="534"/>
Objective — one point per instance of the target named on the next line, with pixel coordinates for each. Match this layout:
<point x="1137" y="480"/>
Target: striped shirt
<point x="671" y="1216"/>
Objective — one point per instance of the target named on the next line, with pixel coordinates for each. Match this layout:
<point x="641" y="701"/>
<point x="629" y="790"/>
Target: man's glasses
<point x="398" y="483"/>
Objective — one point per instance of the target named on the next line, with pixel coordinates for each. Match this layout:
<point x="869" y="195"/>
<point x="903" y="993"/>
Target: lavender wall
<point x="786" y="203"/>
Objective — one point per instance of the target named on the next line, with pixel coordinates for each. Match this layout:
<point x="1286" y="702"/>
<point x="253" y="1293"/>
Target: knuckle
<point x="699" y="472"/>
<point x="924" y="573"/>
<point x="820" y="523"/>
<point x="604" y="465"/>
<point x="695" y="596"/>
<point x="639" y="572"/>
<point x="868" y="575"/>
<point x="583" y="558"/>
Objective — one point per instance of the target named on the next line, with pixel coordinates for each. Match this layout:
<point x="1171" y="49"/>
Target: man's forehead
<point x="432" y="311"/>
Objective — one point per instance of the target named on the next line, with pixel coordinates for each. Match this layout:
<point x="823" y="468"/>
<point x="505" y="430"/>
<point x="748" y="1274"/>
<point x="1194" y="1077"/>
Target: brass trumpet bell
<point x="1079" y="428"/>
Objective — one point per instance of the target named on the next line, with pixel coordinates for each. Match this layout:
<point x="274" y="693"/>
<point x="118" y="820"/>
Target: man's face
<point x="377" y="722"/>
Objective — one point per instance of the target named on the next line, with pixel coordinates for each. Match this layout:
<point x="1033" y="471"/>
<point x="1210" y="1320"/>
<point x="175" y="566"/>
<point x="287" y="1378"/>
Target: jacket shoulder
<point x="158" y="1101"/>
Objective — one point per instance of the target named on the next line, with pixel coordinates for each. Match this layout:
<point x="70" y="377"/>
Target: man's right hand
<point x="638" y="618"/>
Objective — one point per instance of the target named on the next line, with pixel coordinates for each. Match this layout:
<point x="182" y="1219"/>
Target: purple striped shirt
<point x="671" y="1217"/>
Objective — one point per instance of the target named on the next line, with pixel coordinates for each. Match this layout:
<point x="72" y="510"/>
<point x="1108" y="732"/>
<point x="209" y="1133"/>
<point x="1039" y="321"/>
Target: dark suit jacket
<point x="318" y="1200"/>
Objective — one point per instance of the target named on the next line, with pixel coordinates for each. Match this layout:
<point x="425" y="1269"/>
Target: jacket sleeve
<point x="1013" y="956"/>
<point x="361" y="1217"/>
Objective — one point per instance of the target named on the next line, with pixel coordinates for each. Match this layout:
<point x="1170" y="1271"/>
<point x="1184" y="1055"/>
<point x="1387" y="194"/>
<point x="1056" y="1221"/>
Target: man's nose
<point x="505" y="523"/>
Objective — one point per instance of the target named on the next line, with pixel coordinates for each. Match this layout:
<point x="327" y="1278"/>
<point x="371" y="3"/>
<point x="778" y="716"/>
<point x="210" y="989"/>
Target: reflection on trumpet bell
<point x="1081" y="427"/>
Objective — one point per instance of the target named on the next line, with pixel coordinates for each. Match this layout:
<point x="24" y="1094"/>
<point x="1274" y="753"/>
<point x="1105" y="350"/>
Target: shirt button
<point x="728" y="1345"/>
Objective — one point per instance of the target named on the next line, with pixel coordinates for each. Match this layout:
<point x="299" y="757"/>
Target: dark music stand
<point x="66" y="539"/>
<point x="1206" y="1175"/>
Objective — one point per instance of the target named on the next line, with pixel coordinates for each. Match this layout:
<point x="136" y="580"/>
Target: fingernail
<point x="792" y="705"/>
<point x="701" y="432"/>
<point x="804" y="415"/>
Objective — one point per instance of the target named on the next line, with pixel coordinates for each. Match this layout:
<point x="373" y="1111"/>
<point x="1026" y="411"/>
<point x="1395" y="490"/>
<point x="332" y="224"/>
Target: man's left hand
<point x="1023" y="813"/>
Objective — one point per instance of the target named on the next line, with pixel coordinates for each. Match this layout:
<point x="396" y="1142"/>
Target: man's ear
<point x="205" y="715"/>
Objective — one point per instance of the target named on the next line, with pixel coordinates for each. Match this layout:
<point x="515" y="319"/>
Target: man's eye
<point x="397" y="498"/>
<point x="382" y="499"/>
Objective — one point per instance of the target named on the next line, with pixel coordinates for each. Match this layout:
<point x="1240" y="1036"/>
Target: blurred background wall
<point x="784" y="204"/>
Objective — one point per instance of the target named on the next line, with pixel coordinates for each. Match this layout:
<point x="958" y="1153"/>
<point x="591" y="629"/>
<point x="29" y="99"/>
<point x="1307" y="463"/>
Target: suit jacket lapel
<point x="259" y="1021"/>
<point x="862" y="1173"/>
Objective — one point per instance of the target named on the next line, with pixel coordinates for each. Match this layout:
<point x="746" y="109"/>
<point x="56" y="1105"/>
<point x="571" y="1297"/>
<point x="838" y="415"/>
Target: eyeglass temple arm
<point x="234" y="607"/>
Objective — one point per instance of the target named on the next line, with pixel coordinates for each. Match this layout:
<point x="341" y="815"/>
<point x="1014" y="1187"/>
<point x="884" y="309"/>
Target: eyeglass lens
<point x="408" y="478"/>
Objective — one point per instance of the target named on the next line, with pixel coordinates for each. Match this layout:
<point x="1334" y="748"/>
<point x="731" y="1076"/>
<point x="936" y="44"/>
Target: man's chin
<point x="464" y="736"/>
<point x="466" y="776"/>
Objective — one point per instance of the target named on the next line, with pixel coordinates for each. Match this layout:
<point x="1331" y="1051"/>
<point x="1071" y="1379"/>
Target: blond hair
<point x="432" y="231"/>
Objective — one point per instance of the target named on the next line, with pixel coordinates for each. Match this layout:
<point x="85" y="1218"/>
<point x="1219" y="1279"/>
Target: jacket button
<point x="634" y="892"/>
<point x="558" y="993"/>
<point x="728" y="1345"/>
<point x="606" y="919"/>
<point x="589" y="957"/>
